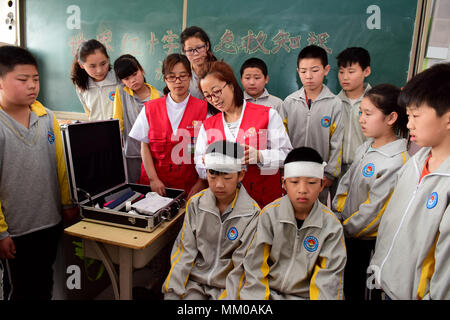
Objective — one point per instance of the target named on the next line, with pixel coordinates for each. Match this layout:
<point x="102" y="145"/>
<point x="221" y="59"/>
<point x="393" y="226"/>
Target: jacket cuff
<point x="4" y="235"/>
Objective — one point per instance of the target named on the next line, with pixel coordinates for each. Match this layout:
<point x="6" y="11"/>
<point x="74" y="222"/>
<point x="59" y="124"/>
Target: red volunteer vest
<point x="252" y="131"/>
<point x="172" y="155"/>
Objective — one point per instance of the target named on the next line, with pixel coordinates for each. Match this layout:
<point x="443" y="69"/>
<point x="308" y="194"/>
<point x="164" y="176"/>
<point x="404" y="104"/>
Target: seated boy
<point x="411" y="259"/>
<point x="354" y="68"/>
<point x="254" y="78"/>
<point x="219" y="223"/>
<point x="299" y="250"/>
<point x="33" y="180"/>
<point x="312" y="115"/>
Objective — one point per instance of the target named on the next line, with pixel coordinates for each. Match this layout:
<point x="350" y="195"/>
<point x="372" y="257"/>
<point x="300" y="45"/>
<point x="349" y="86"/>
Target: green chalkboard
<point x="274" y="31"/>
<point x="147" y="29"/>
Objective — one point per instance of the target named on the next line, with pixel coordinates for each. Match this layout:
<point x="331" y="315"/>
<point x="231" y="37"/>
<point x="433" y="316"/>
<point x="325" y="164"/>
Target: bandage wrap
<point x="222" y="163"/>
<point x="304" y="169"/>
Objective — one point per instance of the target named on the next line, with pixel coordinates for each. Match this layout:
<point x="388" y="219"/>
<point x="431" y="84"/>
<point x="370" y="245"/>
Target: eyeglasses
<point x="173" y="78"/>
<point x="190" y="52"/>
<point x="215" y="93"/>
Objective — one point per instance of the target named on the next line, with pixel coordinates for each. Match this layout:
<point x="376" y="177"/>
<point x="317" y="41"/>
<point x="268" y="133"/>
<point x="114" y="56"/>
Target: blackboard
<point x="274" y="31"/>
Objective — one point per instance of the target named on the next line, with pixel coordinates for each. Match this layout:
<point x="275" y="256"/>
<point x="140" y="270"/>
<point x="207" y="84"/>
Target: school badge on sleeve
<point x="50" y="137"/>
<point x="232" y="233"/>
<point x="432" y="200"/>
<point x="311" y="243"/>
<point x="368" y="170"/>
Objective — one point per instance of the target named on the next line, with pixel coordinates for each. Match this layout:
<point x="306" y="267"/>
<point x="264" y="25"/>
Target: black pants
<point x="359" y="253"/>
<point x="30" y="274"/>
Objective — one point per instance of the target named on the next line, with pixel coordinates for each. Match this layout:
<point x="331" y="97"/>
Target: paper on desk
<point x="151" y="203"/>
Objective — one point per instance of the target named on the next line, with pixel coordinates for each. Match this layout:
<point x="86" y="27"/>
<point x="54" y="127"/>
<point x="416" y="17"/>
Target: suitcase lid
<point x="95" y="161"/>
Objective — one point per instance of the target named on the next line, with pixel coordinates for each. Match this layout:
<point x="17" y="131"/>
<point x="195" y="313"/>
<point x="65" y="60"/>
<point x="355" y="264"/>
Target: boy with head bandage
<point x="219" y="224"/>
<point x="298" y="251"/>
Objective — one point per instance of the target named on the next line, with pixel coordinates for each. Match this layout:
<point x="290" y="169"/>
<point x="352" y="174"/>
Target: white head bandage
<point x="222" y="163"/>
<point x="304" y="169"/>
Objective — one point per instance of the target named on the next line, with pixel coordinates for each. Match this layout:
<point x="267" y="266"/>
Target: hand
<point x="251" y="155"/>
<point x="7" y="248"/>
<point x="158" y="186"/>
<point x="327" y="182"/>
<point x="197" y="187"/>
<point x="70" y="215"/>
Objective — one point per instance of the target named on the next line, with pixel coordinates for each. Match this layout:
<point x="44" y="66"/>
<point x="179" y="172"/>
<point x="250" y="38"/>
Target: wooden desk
<point x="126" y="247"/>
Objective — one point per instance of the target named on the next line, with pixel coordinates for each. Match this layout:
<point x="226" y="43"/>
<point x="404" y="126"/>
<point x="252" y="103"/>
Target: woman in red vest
<point x="258" y="128"/>
<point x="167" y="128"/>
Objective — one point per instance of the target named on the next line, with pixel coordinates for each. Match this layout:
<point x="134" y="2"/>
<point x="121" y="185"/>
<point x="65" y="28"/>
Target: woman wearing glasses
<point x="167" y="128"/>
<point x="197" y="47"/>
<point x="257" y="128"/>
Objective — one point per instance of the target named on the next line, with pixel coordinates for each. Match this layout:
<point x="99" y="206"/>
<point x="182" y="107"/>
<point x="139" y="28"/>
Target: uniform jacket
<point x="207" y="249"/>
<point x="320" y="127"/>
<point x="353" y="136"/>
<point x="265" y="99"/>
<point x="285" y="262"/>
<point x="411" y="259"/>
<point x="33" y="177"/>
<point x="365" y="190"/>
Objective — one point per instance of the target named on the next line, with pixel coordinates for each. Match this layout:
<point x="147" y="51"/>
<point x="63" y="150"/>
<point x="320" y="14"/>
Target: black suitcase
<point x="96" y="169"/>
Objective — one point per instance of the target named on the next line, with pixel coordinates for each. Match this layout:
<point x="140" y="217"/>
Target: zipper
<point x="308" y="117"/>
<point x="349" y="136"/>
<point x="219" y="247"/>
<point x="291" y="264"/>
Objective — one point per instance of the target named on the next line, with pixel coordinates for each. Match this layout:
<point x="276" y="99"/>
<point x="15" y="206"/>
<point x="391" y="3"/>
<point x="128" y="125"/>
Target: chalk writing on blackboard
<point x="256" y="42"/>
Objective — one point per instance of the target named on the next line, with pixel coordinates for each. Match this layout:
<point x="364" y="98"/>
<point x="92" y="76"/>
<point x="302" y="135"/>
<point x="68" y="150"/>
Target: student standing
<point x="298" y="251"/>
<point x="95" y="82"/>
<point x="256" y="127"/>
<point x="254" y="78"/>
<point x="218" y="226"/>
<point x="33" y="179"/>
<point x="129" y="100"/>
<point x="366" y="189"/>
<point x="167" y="128"/>
<point x="354" y="68"/>
<point x="411" y="259"/>
<point x="313" y="114"/>
<point x="197" y="48"/>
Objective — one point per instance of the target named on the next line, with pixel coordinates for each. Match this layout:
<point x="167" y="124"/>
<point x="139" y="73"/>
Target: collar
<point x="391" y="149"/>
<point x="314" y="218"/>
<point x="324" y="94"/>
<point x="344" y="97"/>
<point x="37" y="108"/>
<point x="263" y="95"/>
<point x="110" y="80"/>
<point x="421" y="157"/>
<point x="153" y="92"/>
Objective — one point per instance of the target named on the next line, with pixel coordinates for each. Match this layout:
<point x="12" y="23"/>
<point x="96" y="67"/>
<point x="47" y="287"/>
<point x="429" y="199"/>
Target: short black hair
<point x="431" y="86"/>
<point x="354" y="55"/>
<point x="315" y="52"/>
<point x="254" y="63"/>
<point x="126" y="65"/>
<point x="11" y="56"/>
<point x="303" y="154"/>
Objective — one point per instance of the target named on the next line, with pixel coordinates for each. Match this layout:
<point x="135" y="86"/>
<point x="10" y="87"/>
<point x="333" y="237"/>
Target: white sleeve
<point x="139" y="131"/>
<point x="278" y="143"/>
<point x="200" y="149"/>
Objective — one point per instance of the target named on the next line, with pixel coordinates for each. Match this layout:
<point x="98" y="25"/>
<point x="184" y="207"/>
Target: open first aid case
<point x="98" y="180"/>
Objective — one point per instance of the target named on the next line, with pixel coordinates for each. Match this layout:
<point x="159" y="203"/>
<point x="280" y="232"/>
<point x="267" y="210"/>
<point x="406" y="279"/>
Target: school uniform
<point x="411" y="259"/>
<point x="209" y="246"/>
<point x="33" y="189"/>
<point x="98" y="98"/>
<point x="319" y="127"/>
<point x="265" y="99"/>
<point x="360" y="202"/>
<point x="170" y="130"/>
<point x="260" y="127"/>
<point x="287" y="262"/>
<point x="193" y="86"/>
<point x="127" y="115"/>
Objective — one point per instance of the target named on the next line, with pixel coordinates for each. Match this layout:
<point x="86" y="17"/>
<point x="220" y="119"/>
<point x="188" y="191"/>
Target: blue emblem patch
<point x="50" y="137"/>
<point x="232" y="233"/>
<point x="325" y="122"/>
<point x="432" y="200"/>
<point x="111" y="95"/>
<point x="368" y="170"/>
<point x="311" y="243"/>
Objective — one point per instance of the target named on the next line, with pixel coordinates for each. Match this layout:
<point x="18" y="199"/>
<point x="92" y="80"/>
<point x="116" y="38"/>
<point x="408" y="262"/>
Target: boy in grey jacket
<point x="219" y="223"/>
<point x="298" y="251"/>
<point x="411" y="259"/>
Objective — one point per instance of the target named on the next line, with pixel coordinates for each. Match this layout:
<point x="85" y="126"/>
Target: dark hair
<point x="303" y="154"/>
<point x="313" y="51"/>
<point x="431" y="86"/>
<point x="254" y="63"/>
<point x="354" y="55"/>
<point x="126" y="65"/>
<point x="197" y="32"/>
<point x="11" y="56"/>
<point x="227" y="148"/>
<point x="222" y="71"/>
<point x="78" y="75"/>
<point x="170" y="61"/>
<point x="384" y="97"/>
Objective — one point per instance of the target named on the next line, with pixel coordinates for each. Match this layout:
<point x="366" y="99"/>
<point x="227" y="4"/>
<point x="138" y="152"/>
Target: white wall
<point x="9" y="22"/>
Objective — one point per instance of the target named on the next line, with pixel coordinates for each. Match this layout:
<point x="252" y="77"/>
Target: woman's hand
<point x="158" y="186"/>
